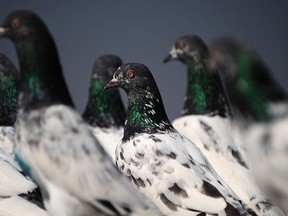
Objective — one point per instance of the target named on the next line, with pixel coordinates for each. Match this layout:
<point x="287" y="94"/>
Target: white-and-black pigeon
<point x="105" y="111"/>
<point x="206" y="120"/>
<point x="165" y="166"/>
<point x="260" y="108"/>
<point x="54" y="144"/>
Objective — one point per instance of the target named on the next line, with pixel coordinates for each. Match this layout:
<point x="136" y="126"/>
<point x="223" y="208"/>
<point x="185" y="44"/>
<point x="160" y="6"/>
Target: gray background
<point x="143" y="31"/>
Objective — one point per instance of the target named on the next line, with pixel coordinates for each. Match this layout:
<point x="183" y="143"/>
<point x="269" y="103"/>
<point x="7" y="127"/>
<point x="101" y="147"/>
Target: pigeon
<point x="53" y="143"/>
<point x="260" y="107"/>
<point x="19" y="195"/>
<point x="105" y="111"/>
<point x="206" y="120"/>
<point x="165" y="166"/>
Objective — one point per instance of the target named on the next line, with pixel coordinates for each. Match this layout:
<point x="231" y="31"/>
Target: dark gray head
<point x="145" y="112"/>
<point x="249" y="82"/>
<point x="38" y="58"/>
<point x="105" y="66"/>
<point x="132" y="76"/>
<point x="226" y="51"/>
<point x="21" y="25"/>
<point x="188" y="49"/>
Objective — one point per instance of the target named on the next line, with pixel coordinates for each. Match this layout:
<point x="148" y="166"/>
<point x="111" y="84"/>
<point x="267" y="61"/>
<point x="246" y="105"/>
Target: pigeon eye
<point x="16" y="23"/>
<point x="130" y="74"/>
<point x="180" y="45"/>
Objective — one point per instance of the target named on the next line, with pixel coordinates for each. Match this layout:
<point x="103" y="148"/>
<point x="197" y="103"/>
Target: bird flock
<point x="226" y="154"/>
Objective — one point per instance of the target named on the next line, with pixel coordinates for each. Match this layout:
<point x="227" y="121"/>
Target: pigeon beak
<point x="2" y="31"/>
<point x="168" y="58"/>
<point x="113" y="83"/>
<point x="173" y="54"/>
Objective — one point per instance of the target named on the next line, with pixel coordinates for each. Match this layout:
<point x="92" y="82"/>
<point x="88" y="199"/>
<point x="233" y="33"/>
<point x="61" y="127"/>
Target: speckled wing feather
<point x="214" y="137"/>
<point x="267" y="148"/>
<point x="7" y="140"/>
<point x="169" y="169"/>
<point x="61" y="152"/>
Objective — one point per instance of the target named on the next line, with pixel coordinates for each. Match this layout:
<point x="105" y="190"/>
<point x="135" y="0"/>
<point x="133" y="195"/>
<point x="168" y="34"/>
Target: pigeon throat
<point x="42" y="79"/>
<point x="205" y="93"/>
<point x="104" y="109"/>
<point x="146" y="114"/>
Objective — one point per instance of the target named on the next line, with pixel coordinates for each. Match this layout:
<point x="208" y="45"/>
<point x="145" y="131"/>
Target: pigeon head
<point x="132" y="76"/>
<point x="188" y="49"/>
<point x="42" y="80"/>
<point x="105" y="66"/>
<point x="250" y="85"/>
<point x="21" y="25"/>
<point x="145" y="112"/>
<point x="226" y="52"/>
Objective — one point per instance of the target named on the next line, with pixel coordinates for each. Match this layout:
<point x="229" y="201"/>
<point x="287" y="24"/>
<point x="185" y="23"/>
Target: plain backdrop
<point x="144" y="31"/>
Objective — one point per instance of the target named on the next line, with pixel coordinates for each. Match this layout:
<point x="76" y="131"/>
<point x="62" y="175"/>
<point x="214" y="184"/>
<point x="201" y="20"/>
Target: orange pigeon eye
<point x="130" y="74"/>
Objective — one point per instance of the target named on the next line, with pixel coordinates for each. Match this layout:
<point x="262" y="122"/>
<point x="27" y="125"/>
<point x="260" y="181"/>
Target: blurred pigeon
<point x="54" y="145"/>
<point x="206" y="120"/>
<point x="164" y="165"/>
<point x="19" y="195"/>
<point x="261" y="112"/>
<point x="105" y="111"/>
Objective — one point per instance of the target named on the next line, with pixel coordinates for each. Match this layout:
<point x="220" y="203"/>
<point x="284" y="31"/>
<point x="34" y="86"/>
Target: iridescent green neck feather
<point x="246" y="95"/>
<point x="205" y="93"/>
<point x="146" y="113"/>
<point x="8" y="100"/>
<point x="104" y="108"/>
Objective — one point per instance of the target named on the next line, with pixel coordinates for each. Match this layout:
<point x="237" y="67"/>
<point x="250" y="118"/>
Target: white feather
<point x="17" y="206"/>
<point x="108" y="138"/>
<point x="13" y="182"/>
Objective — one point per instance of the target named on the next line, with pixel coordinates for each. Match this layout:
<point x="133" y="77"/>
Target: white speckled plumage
<point x="66" y="160"/>
<point x="157" y="162"/>
<point x="218" y="146"/>
<point x="14" y="186"/>
<point x="109" y="138"/>
<point x="267" y="148"/>
<point x="7" y="140"/>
